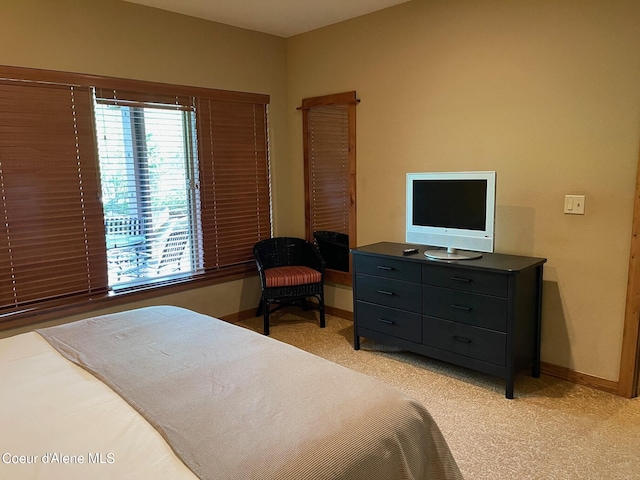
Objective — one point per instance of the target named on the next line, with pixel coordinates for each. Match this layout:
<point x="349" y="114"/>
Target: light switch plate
<point x="574" y="204"/>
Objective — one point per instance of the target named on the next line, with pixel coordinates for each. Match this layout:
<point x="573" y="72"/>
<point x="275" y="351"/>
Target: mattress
<point x="163" y="392"/>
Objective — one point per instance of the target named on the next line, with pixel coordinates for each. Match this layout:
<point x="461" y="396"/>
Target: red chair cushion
<point x="290" y="276"/>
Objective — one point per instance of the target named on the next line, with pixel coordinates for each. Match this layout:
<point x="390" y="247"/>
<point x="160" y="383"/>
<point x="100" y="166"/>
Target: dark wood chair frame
<point x="288" y="251"/>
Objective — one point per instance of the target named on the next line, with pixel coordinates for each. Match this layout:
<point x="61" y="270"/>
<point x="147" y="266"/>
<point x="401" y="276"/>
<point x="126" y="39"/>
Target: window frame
<point x="41" y="311"/>
<point x="350" y="100"/>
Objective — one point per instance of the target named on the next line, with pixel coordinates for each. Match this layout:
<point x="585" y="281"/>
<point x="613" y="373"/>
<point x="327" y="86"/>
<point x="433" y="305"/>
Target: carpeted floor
<point x="551" y="430"/>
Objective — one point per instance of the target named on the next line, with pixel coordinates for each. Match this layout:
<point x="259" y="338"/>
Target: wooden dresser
<point x="482" y="314"/>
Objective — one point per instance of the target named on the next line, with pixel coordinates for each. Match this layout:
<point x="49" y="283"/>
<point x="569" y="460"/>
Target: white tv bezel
<point x="453" y="239"/>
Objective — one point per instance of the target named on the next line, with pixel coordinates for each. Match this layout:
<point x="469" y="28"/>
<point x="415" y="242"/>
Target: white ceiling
<point x="283" y="18"/>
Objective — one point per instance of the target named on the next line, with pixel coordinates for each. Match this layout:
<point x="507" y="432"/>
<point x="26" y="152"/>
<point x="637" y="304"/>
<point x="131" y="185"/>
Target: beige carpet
<point x="551" y="430"/>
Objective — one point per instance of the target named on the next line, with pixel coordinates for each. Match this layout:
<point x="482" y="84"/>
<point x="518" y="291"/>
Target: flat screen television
<point x="452" y="210"/>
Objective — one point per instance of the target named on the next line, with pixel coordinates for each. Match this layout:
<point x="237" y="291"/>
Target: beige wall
<point x="545" y="92"/>
<point x="120" y="39"/>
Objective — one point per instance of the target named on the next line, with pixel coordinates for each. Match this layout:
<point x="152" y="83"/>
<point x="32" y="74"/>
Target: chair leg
<point x="259" y="309"/>
<point x="321" y="305"/>
<point x="265" y="312"/>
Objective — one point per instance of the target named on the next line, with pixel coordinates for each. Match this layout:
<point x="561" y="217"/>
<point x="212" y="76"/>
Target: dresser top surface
<point x="488" y="261"/>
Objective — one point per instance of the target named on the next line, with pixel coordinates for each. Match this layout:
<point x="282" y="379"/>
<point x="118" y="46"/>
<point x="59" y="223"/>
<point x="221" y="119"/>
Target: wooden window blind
<point x="329" y="199"/>
<point x="235" y="191"/>
<point x="329" y="133"/>
<point x="52" y="243"/>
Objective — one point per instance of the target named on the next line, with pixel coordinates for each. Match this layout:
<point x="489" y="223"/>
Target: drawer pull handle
<point x="384" y="292"/>
<point x="383" y="267"/>
<point x="388" y="322"/>
<point x="461" y="307"/>
<point x="460" y="279"/>
<point x="461" y="339"/>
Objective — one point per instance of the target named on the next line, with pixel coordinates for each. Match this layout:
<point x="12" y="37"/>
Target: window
<point x="329" y="131"/>
<point x="148" y="174"/>
<point x="110" y="184"/>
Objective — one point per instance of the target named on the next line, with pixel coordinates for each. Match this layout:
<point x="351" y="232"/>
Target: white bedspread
<point x="51" y="408"/>
<point x="246" y="407"/>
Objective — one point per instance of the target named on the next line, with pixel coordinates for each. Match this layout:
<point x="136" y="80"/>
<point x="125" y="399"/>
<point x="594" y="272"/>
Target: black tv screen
<point x="450" y="203"/>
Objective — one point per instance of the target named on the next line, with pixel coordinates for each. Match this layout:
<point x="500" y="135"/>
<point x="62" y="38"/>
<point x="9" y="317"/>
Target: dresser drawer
<point x="389" y="321"/>
<point x="476" y="281"/>
<point x="471" y="308"/>
<point x="473" y="342"/>
<point x="388" y="268"/>
<point x="390" y="293"/>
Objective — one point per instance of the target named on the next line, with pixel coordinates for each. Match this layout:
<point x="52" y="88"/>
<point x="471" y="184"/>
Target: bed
<point x="167" y="393"/>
